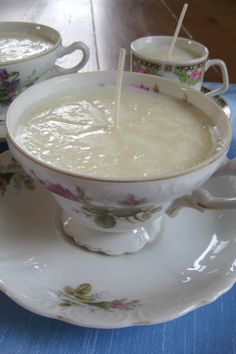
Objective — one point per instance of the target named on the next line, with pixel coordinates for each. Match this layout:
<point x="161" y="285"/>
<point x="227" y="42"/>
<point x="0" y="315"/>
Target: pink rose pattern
<point x="11" y="86"/>
<point x="188" y="75"/>
<point x="142" y="66"/>
<point x="130" y="209"/>
<point x="59" y="189"/>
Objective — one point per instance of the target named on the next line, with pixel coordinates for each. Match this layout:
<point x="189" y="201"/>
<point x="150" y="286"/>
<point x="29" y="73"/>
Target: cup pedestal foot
<point x="110" y="242"/>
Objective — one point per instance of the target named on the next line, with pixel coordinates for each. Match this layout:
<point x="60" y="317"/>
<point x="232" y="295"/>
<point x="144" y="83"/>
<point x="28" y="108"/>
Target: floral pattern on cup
<point x="11" y="86"/>
<point x="190" y="75"/>
<point x="107" y="217"/>
<point x="142" y="66"/>
<point x="83" y="295"/>
<point x="128" y="209"/>
<point x="155" y="88"/>
<point x="14" y="175"/>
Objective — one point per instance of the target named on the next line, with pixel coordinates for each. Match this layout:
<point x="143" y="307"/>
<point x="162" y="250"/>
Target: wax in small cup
<point x="108" y="202"/>
<point x="186" y="65"/>
<point x="28" y="52"/>
<point x="15" y="46"/>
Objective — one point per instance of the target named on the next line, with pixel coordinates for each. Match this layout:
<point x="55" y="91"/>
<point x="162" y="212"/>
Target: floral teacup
<point x="111" y="215"/>
<point x="16" y="75"/>
<point x="187" y="66"/>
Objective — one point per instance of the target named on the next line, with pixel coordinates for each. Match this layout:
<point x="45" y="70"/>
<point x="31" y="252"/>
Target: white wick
<point x="119" y="77"/>
<point x="179" y="24"/>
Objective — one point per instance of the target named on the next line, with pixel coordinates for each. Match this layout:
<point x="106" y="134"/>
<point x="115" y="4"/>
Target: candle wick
<point x="179" y="24"/>
<point x="119" y="80"/>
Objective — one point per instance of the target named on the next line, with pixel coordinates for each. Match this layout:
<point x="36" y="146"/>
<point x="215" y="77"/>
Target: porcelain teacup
<point x="16" y="75"/>
<point x="187" y="65"/>
<point x="119" y="216"/>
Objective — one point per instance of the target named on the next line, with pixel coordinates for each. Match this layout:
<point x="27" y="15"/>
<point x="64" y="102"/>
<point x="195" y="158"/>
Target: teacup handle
<point x="225" y="85"/>
<point x="58" y="70"/>
<point x="68" y="50"/>
<point x="201" y="199"/>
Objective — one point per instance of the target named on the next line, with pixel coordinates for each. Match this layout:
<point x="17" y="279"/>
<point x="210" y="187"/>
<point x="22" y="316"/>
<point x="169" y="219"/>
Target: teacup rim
<point x="175" y="174"/>
<point x="191" y="62"/>
<point x="35" y="56"/>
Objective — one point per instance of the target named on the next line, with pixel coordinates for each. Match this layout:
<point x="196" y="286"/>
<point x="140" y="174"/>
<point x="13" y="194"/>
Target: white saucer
<point x="191" y="264"/>
<point x="218" y="99"/>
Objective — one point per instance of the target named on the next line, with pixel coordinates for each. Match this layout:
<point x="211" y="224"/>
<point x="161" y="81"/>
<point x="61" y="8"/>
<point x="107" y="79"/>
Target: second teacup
<point x="187" y="65"/>
<point x="28" y="52"/>
<point x="114" y="186"/>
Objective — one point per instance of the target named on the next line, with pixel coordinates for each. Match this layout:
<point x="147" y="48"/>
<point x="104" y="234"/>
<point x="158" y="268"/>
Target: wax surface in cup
<point x="17" y="46"/>
<point x="157" y="135"/>
<point x="161" y="52"/>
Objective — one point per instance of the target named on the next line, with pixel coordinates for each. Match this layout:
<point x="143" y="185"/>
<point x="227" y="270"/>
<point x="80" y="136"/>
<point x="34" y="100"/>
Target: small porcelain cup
<point x="187" y="66"/>
<point x="118" y="216"/>
<point x="17" y="75"/>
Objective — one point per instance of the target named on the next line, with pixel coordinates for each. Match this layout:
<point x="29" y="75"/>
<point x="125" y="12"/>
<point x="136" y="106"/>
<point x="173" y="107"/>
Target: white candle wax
<point x="158" y="134"/>
<point x="178" y="55"/>
<point x="17" y="46"/>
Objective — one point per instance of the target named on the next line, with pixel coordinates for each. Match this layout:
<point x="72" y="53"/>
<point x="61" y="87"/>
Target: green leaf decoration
<point x="80" y="193"/>
<point x="105" y="221"/>
<point x="65" y="304"/>
<point x="29" y="184"/>
<point x="68" y="290"/>
<point x="156" y="88"/>
<point x="155" y="210"/>
<point x="106" y="305"/>
<point x="85" y="298"/>
<point x="185" y="75"/>
<point x="124" y="213"/>
<point x="7" y="176"/>
<point x="153" y="70"/>
<point x="32" y="76"/>
<point x="83" y="289"/>
<point x="94" y="210"/>
<point x="18" y="178"/>
<point x="26" y="180"/>
<point x="14" y="74"/>
<point x="4" y="98"/>
<point x="82" y="295"/>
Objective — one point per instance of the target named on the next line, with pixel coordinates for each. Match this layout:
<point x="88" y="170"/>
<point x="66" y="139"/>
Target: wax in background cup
<point x="15" y="76"/>
<point x="147" y="58"/>
<point x="120" y="216"/>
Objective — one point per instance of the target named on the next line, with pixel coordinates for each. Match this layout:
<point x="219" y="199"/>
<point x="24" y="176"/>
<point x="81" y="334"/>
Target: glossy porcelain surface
<point x="190" y="265"/>
<point x="115" y="206"/>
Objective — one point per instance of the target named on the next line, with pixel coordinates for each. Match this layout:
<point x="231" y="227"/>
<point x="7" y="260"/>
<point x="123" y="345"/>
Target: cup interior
<point x="45" y="32"/>
<point x="59" y="86"/>
<point x="141" y="48"/>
